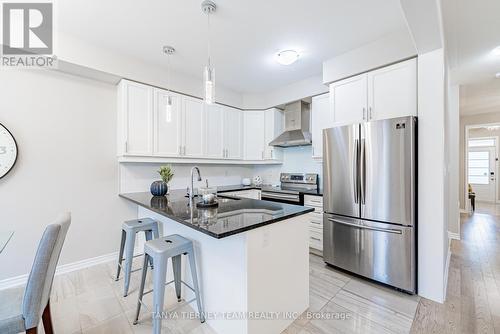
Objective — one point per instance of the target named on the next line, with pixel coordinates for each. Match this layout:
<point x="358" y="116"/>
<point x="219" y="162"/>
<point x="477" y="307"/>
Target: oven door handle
<point x="291" y="197"/>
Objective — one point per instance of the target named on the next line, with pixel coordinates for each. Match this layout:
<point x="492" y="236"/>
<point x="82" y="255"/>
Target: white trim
<point x="148" y="159"/>
<point x="463" y="211"/>
<point x="446" y="269"/>
<point x="453" y="236"/>
<point x="63" y="269"/>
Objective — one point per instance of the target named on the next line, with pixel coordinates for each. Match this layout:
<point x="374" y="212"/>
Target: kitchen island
<point x="253" y="258"/>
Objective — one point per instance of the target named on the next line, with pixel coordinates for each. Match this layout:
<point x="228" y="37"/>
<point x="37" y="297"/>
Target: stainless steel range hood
<point x="297" y="133"/>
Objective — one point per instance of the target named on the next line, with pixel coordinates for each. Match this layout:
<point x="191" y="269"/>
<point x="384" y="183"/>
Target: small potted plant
<point x="160" y="188"/>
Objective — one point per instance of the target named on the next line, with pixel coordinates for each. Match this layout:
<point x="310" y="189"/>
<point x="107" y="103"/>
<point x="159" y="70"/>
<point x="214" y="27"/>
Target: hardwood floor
<point x="473" y="296"/>
<point x="90" y="301"/>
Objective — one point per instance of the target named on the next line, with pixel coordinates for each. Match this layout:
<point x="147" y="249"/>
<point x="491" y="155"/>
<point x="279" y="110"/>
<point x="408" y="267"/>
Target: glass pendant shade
<point x="209" y="76"/>
<point x="168" y="109"/>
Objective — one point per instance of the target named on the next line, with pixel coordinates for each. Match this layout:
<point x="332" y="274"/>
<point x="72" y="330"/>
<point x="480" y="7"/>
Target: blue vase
<point x="159" y="188"/>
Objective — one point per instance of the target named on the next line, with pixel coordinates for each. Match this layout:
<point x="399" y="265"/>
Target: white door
<point x="273" y="119"/>
<point x="214" y="128"/>
<point x="233" y="133"/>
<point x="321" y="118"/>
<point x="138" y="105"/>
<point x="193" y="128"/>
<point x="253" y="135"/>
<point x="392" y="91"/>
<point x="482" y="170"/>
<point x="349" y="100"/>
<point x="168" y="124"/>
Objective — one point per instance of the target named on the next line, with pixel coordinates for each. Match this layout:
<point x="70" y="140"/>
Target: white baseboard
<point x="63" y="269"/>
<point x="452" y="235"/>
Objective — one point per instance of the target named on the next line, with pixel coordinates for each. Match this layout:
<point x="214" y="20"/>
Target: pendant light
<point x="168" y="50"/>
<point x="208" y="7"/>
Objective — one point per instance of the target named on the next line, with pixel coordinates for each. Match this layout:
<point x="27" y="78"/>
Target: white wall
<point x="290" y="93"/>
<point x="389" y="49"/>
<point x="295" y="160"/>
<point x="65" y="131"/>
<point x="453" y="132"/>
<point x="432" y="229"/>
<point x="75" y="51"/>
<point x="136" y="177"/>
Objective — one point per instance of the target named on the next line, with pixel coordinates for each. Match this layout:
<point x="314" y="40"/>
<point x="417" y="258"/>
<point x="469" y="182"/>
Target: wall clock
<point x="8" y="151"/>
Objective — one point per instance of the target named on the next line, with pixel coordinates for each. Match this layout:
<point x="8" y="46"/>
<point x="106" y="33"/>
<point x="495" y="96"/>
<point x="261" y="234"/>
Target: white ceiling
<point x="472" y="30"/>
<point x="245" y="34"/>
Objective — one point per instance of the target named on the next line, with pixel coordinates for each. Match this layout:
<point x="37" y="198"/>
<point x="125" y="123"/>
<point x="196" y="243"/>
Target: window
<point x="481" y="142"/>
<point x="479" y="162"/>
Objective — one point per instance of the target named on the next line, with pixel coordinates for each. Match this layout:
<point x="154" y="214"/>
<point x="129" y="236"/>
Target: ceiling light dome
<point x="287" y="57"/>
<point x="496" y="51"/>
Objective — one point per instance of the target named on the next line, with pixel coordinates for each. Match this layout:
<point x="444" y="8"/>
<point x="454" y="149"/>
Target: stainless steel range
<point x="293" y="186"/>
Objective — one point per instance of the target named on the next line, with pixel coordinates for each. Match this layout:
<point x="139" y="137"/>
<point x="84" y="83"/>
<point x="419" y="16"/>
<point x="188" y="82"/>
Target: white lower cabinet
<point x="315" y="222"/>
<point x="250" y="193"/>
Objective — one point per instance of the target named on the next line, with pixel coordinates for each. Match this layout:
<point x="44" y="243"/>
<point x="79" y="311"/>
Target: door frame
<point x="466" y="162"/>
<point x="494" y="151"/>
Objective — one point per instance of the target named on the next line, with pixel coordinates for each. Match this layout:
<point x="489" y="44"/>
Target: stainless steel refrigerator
<point x="369" y="190"/>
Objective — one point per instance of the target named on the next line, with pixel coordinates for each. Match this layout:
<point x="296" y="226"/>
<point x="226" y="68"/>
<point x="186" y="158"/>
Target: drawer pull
<point x="315" y="239"/>
<point x="316" y="223"/>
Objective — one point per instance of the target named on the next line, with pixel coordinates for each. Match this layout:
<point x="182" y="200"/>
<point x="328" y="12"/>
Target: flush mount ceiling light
<point x="168" y="50"/>
<point x="208" y="7"/>
<point x="496" y="51"/>
<point x="287" y="57"/>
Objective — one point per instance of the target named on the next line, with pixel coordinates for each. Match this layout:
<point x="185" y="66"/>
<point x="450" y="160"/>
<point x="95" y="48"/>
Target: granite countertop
<point x="232" y="216"/>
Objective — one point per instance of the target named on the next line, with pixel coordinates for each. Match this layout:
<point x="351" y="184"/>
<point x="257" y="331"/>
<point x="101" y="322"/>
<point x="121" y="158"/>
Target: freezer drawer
<point x="382" y="252"/>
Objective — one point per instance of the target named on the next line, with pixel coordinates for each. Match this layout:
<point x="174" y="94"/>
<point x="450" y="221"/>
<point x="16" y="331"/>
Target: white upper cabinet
<point x="273" y="123"/>
<point x="253" y="135"/>
<point x="214" y="129"/>
<point x="168" y="124"/>
<point x="384" y="93"/>
<point x="136" y="104"/>
<point x="233" y="133"/>
<point x="149" y="132"/>
<point x="349" y="99"/>
<point x="321" y="118"/>
<point x="194" y="129"/>
<point x="392" y="91"/>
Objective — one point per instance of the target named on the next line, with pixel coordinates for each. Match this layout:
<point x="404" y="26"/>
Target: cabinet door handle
<point x="184" y="150"/>
<point x="370" y="115"/>
<point x="364" y="112"/>
<point x="315" y="223"/>
<point x="272" y="154"/>
<point x="180" y="150"/>
<point x="317" y="239"/>
<point x="126" y="146"/>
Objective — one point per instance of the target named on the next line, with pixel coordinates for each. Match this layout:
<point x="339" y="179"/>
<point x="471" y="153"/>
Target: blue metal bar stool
<point x="160" y="250"/>
<point x="129" y="230"/>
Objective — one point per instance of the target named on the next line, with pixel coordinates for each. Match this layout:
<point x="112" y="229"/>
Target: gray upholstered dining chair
<point x="22" y="312"/>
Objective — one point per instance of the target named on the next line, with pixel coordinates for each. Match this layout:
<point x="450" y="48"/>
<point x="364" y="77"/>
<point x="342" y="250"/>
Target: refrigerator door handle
<point x="371" y="228"/>
<point x="355" y="171"/>
<point x="362" y="171"/>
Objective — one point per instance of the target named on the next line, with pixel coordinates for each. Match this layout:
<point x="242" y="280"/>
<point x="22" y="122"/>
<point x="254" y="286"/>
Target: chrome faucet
<point x="191" y="190"/>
